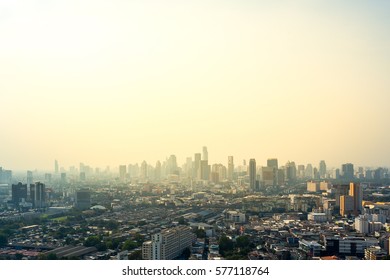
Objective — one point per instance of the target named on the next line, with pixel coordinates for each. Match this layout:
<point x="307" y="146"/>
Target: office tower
<point x="291" y="172"/>
<point x="340" y="190"/>
<point x="280" y="177"/>
<point x="144" y="170"/>
<point x="356" y="191"/>
<point x="268" y="175"/>
<point x="230" y="168"/>
<point x="19" y="193"/>
<point x="83" y="199"/>
<point x="30" y="178"/>
<point x="168" y="244"/>
<point x="322" y="169"/>
<point x="38" y="195"/>
<point x="204" y="170"/>
<point x="5" y="176"/>
<point x="347" y="171"/>
<point x="188" y="167"/>
<point x="309" y="171"/>
<point x="196" y="170"/>
<point x="56" y="167"/>
<point x="301" y="171"/>
<point x="272" y="162"/>
<point x="157" y="172"/>
<point x="172" y="165"/>
<point x="205" y="154"/>
<point x="122" y="172"/>
<point x="252" y="174"/>
<point x="346" y="205"/>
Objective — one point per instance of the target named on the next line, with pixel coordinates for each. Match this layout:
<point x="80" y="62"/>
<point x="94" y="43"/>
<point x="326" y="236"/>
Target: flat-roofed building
<point x="168" y="244"/>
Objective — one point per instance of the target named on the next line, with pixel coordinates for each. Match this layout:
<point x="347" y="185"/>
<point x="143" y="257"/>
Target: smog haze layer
<point x="112" y="82"/>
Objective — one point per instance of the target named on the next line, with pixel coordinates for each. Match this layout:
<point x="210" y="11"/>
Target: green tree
<point x="92" y="241"/>
<point x="225" y="245"/>
<point x="243" y="242"/>
<point x="129" y="245"/>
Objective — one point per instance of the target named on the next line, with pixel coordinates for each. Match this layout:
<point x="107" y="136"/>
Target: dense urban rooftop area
<point x="197" y="211"/>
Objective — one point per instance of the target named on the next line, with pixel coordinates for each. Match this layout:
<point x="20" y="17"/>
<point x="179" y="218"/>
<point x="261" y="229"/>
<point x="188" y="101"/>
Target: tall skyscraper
<point x="157" y="171"/>
<point x="196" y="169"/>
<point x="322" y="169"/>
<point x="144" y="170"/>
<point x="291" y="172"/>
<point x="19" y="193"/>
<point x="205" y="154"/>
<point x="122" y="172"/>
<point x="347" y="171"/>
<point x="30" y="178"/>
<point x="230" y="168"/>
<point x="356" y="191"/>
<point x="56" y="169"/>
<point x="252" y="174"/>
<point x="38" y="195"/>
<point x="204" y="170"/>
<point x="272" y="162"/>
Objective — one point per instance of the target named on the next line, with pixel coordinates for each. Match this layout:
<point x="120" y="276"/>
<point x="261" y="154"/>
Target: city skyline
<point x="121" y="82"/>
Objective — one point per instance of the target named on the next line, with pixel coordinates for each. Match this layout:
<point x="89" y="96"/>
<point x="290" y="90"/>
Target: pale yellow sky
<point x="117" y="82"/>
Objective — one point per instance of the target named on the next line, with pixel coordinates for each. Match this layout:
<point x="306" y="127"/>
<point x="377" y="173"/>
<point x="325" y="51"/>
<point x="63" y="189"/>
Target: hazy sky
<point x="116" y="82"/>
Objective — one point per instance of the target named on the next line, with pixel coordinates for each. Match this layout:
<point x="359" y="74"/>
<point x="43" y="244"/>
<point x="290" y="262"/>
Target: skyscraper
<point x="205" y="154"/>
<point x="272" y="162"/>
<point x="19" y="193"/>
<point x="122" y="172"/>
<point x="322" y="169"/>
<point x="230" y="168"/>
<point x="356" y="191"/>
<point x="347" y="171"/>
<point x="56" y="167"/>
<point x="196" y="170"/>
<point x="38" y="195"/>
<point x="252" y="174"/>
<point x="157" y="172"/>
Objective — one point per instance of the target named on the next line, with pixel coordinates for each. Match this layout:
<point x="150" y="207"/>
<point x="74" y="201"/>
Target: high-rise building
<point x="168" y="244"/>
<point x="144" y="170"/>
<point x="230" y="168"/>
<point x="322" y="169"/>
<point x="157" y="172"/>
<point x="5" y="176"/>
<point x="38" y="195"/>
<point x="356" y="191"/>
<point x="272" y="162"/>
<point x="30" y="178"/>
<point x="291" y="172"/>
<point x="56" y="168"/>
<point x="204" y="170"/>
<point x="252" y="174"/>
<point x="340" y="190"/>
<point x="346" y="205"/>
<point x="83" y="199"/>
<point x="19" y="193"/>
<point x="205" y="154"/>
<point x="122" y="172"/>
<point x="268" y="175"/>
<point x="196" y="169"/>
<point x="347" y="171"/>
<point x="309" y="171"/>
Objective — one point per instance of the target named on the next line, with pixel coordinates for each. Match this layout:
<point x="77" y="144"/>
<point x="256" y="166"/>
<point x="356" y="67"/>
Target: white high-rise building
<point x="168" y="244"/>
